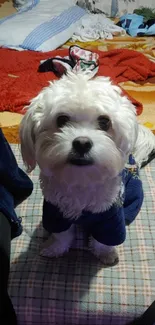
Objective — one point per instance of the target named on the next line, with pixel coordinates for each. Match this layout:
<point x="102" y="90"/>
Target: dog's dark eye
<point x="104" y="122"/>
<point x="62" y="120"/>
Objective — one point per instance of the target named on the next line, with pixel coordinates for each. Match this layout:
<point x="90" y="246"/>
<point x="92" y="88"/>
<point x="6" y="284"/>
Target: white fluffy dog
<point x="80" y="131"/>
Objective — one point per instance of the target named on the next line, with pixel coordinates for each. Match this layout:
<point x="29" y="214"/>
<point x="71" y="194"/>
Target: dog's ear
<point x="27" y="138"/>
<point x="28" y="129"/>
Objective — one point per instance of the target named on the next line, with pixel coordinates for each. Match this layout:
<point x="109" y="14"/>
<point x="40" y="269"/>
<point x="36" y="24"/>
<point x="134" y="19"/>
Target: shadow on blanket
<point x="60" y="290"/>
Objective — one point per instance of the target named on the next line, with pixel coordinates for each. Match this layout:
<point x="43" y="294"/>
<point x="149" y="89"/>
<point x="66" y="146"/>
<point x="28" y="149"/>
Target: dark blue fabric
<point x="108" y="227"/>
<point x="15" y="186"/>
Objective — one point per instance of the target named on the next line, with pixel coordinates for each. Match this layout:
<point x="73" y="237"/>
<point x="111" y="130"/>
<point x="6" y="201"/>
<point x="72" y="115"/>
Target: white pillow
<point x="42" y="26"/>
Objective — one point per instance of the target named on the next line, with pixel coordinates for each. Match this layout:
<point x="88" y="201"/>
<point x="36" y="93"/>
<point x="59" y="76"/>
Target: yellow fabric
<point x="6" y="8"/>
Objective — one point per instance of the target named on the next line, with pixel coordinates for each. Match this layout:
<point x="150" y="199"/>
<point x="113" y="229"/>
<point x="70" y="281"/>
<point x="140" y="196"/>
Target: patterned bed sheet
<point x="76" y="289"/>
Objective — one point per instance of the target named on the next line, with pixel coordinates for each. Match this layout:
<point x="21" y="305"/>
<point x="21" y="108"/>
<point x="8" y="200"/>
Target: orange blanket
<point x="20" y="81"/>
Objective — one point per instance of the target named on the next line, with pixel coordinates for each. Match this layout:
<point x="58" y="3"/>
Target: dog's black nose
<point x="82" y="145"/>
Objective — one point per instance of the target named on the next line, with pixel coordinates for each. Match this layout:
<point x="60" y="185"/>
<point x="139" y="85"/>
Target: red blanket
<point x="20" y="81"/>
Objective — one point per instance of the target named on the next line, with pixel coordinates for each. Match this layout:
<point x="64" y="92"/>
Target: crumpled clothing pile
<point x="93" y="27"/>
<point x="78" y="60"/>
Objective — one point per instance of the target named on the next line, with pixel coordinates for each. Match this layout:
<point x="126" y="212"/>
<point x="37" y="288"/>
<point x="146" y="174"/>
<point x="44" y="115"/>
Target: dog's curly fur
<point x="93" y="186"/>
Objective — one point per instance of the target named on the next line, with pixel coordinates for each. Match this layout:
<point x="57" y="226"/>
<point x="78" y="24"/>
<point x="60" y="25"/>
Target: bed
<point x="75" y="289"/>
<point x="144" y="92"/>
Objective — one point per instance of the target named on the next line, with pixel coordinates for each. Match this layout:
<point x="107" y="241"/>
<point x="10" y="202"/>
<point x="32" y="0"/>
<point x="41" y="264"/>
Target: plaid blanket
<point x="75" y="289"/>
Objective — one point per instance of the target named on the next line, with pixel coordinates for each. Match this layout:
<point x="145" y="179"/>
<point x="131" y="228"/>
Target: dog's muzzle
<point x="79" y="155"/>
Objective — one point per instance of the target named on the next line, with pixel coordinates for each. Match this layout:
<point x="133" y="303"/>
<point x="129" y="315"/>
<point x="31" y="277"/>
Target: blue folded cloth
<point x="136" y="26"/>
<point x="15" y="186"/>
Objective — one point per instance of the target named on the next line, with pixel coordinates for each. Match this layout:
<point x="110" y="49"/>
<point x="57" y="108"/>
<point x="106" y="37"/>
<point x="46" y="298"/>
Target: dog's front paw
<point x="58" y="244"/>
<point x="106" y="254"/>
<point x="109" y="259"/>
